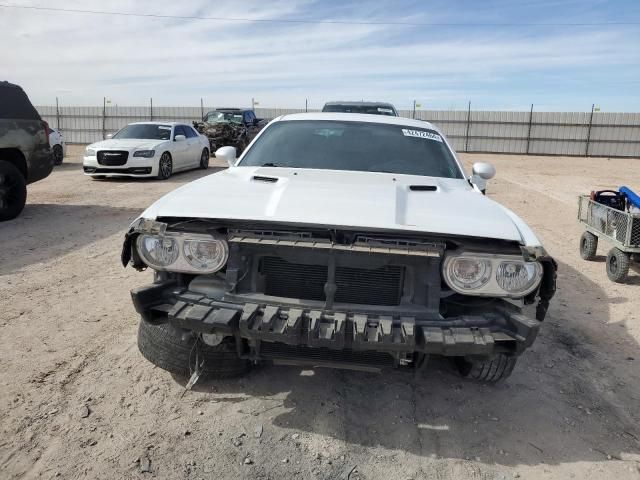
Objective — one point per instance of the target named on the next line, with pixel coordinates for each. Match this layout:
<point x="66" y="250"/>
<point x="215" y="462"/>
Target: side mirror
<point x="228" y="154"/>
<point x="109" y="135"/>
<point x="179" y="138"/>
<point x="481" y="172"/>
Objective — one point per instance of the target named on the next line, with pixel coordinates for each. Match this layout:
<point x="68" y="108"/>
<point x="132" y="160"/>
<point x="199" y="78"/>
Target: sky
<point x="395" y="50"/>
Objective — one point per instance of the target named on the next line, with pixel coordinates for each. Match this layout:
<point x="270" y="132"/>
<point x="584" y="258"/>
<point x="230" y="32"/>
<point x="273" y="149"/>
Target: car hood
<point x="127" y="144"/>
<point x="368" y="200"/>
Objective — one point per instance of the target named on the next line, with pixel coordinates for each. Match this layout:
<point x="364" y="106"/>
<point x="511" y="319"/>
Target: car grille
<point x="381" y="286"/>
<point x="112" y="158"/>
<point x="353" y="357"/>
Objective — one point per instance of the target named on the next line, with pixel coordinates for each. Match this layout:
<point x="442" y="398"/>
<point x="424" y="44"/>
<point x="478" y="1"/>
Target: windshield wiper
<point x="269" y="164"/>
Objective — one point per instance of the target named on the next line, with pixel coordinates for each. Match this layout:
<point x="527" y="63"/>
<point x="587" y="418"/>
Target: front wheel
<point x="13" y="191"/>
<point x="490" y="369"/>
<point x="204" y="159"/>
<point x="175" y="351"/>
<point x="58" y="155"/>
<point x="617" y="265"/>
<point x="165" y="166"/>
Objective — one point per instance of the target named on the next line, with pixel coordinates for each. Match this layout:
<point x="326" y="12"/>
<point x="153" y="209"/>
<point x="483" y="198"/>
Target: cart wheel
<point x="588" y="246"/>
<point x="617" y="265"/>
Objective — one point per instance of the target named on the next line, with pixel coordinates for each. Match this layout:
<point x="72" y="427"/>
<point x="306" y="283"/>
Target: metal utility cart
<point x="618" y="227"/>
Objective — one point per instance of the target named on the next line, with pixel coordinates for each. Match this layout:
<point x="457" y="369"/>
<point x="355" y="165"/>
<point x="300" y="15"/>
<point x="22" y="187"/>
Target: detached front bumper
<point x="272" y="331"/>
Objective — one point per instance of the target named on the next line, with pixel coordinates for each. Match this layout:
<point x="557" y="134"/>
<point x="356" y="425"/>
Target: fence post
<point x="201" y="109"/>
<point x="529" y="132"/>
<point x="104" y="117"/>
<point x="306" y="105"/>
<point x="57" y="115"/>
<point x="414" y="110"/>
<point x="466" y="136"/>
<point x="151" y="109"/>
<point x="586" y="151"/>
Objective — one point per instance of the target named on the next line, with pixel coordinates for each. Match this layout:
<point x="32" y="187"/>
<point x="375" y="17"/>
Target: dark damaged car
<point x="25" y="155"/>
<point x="230" y="127"/>
<point x="338" y="240"/>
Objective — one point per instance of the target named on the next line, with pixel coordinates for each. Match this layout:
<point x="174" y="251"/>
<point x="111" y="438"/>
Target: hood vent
<point x="423" y="188"/>
<point x="258" y="178"/>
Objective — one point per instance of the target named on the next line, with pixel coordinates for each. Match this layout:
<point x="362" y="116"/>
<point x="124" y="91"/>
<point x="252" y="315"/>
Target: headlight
<point x="158" y="252"/>
<point x="469" y="273"/>
<point x="518" y="276"/>
<point x="206" y="255"/>
<point x="491" y="275"/>
<point x="89" y="152"/>
<point x="144" y="153"/>
<point x="183" y="252"/>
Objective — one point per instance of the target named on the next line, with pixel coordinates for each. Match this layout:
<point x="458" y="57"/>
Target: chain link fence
<point x="536" y="133"/>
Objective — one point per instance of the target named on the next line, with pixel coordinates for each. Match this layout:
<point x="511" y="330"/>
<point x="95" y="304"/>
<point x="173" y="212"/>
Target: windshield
<point x="357" y="146"/>
<point x="145" y="131"/>
<point x="375" y="110"/>
<point x="226" y="117"/>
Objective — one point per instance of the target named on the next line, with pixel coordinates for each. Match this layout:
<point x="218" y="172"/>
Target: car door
<point x="180" y="150"/>
<point x="195" y="148"/>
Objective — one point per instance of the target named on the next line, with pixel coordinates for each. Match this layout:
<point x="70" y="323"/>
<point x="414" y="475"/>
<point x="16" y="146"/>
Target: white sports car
<point x="148" y="149"/>
<point x="58" y="147"/>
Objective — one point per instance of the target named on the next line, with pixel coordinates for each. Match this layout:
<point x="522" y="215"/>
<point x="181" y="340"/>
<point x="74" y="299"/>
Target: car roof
<point x="359" y="117"/>
<point x="230" y="110"/>
<point x="360" y="104"/>
<point x="158" y="123"/>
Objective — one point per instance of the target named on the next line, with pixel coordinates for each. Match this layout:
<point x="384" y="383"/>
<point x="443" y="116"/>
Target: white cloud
<point x="82" y="57"/>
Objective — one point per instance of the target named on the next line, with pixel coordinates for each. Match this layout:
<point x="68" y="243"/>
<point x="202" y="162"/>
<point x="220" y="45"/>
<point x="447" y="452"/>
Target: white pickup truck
<point x="339" y="240"/>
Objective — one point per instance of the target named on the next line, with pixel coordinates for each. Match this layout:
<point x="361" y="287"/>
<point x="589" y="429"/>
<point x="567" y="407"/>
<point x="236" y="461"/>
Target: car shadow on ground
<point x="46" y="231"/>
<point x="566" y="402"/>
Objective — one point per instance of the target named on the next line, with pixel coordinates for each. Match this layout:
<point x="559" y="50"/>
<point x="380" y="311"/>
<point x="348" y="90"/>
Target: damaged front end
<point x="223" y="134"/>
<point x="335" y="297"/>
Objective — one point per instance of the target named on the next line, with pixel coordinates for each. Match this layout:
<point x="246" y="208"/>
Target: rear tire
<point x="617" y="265"/>
<point x="588" y="246"/>
<point x="204" y="159"/>
<point x="490" y="369"/>
<point x="58" y="155"/>
<point x="175" y="351"/>
<point x="13" y="191"/>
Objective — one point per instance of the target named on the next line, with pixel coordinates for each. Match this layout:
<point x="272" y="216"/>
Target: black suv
<point x="25" y="155"/>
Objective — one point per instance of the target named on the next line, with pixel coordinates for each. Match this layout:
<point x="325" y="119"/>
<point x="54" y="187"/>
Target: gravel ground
<point x="78" y="400"/>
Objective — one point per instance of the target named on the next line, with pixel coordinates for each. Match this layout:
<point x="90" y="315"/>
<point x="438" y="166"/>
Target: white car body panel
<point x="348" y="199"/>
<point x="185" y="154"/>
<point x="56" y="138"/>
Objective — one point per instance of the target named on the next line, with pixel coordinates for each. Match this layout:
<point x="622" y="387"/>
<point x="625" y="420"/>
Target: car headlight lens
<point x="89" y="152"/>
<point x="158" y="252"/>
<point x="518" y="277"/>
<point x="473" y="274"/>
<point x="206" y="255"/>
<point x="469" y="273"/>
<point x="183" y="252"/>
<point x="144" y="153"/>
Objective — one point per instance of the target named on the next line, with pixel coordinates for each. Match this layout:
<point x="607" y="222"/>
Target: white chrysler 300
<point x="147" y="149"/>
<point x="346" y="240"/>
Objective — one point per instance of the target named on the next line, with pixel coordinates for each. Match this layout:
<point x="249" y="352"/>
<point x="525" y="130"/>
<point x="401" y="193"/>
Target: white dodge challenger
<point x="338" y="240"/>
<point x="148" y="149"/>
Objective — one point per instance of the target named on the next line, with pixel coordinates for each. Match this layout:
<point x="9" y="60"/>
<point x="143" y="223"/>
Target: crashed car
<point x="230" y="127"/>
<point x="338" y="240"/>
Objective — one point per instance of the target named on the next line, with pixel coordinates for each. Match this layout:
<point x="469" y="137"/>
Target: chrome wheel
<point x="166" y="166"/>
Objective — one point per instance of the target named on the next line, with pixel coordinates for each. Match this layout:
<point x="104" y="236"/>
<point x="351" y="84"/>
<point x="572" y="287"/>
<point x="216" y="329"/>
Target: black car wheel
<point x="165" y="167"/>
<point x="13" y="191"/>
<point x="489" y="369"/>
<point x="58" y="155"/>
<point x="204" y="159"/>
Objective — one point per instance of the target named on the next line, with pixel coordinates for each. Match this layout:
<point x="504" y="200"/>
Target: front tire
<point x="618" y="265"/>
<point x="13" y="191"/>
<point x="490" y="369"/>
<point x="175" y="351"/>
<point x="204" y="159"/>
<point x="58" y="155"/>
<point x="165" y="166"/>
<point x="588" y="246"/>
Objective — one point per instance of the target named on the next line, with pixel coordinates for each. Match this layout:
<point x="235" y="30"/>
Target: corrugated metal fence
<point x="537" y="133"/>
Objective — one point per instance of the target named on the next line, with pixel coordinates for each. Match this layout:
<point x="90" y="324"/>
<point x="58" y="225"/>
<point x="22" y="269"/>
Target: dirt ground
<point x="77" y="400"/>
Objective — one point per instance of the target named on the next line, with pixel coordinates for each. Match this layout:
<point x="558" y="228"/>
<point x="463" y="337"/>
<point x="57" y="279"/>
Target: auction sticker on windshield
<point x="421" y="134"/>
